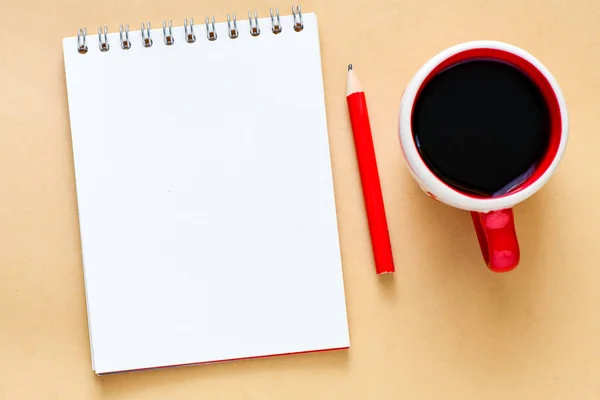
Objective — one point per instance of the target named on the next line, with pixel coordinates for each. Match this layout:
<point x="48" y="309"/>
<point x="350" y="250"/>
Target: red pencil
<point x="369" y="175"/>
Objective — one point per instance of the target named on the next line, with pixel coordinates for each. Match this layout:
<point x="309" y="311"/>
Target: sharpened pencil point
<point x="353" y="85"/>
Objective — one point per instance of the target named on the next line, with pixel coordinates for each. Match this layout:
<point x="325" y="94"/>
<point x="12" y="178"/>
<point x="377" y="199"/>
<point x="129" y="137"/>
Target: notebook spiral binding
<point x="189" y="34"/>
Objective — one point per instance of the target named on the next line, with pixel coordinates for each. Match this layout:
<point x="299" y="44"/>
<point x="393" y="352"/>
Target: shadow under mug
<point x="492" y="216"/>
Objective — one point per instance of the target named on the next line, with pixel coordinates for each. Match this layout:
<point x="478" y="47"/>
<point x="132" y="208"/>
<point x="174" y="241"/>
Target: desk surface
<point x="441" y="327"/>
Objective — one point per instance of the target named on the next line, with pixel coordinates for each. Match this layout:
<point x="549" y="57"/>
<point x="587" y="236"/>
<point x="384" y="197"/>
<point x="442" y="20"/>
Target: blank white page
<point x="205" y="194"/>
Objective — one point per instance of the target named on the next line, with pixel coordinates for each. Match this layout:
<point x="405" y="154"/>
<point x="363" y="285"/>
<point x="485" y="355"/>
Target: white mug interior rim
<point x="429" y="181"/>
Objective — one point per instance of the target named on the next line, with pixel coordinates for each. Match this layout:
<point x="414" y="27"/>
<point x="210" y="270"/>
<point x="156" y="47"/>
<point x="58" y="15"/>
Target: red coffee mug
<point x="492" y="217"/>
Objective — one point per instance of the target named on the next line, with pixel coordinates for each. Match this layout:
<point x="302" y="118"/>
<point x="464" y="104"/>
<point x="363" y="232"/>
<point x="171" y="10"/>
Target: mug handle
<point x="497" y="238"/>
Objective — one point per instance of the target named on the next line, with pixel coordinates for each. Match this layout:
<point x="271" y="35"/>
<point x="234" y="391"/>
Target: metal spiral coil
<point x="297" y="13"/>
<point x="188" y="30"/>
<point x="124" y="35"/>
<point x="233" y="32"/>
<point x="103" y="39"/>
<point x="190" y="36"/>
<point x="146" y="39"/>
<point x="275" y="26"/>
<point x="81" y="37"/>
<point x="167" y="32"/>
<point x="211" y="32"/>
<point x="254" y="28"/>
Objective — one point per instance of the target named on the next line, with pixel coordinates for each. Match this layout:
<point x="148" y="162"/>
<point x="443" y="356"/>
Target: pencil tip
<point x="353" y="85"/>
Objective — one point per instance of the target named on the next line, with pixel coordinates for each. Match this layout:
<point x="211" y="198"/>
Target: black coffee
<point x="481" y="126"/>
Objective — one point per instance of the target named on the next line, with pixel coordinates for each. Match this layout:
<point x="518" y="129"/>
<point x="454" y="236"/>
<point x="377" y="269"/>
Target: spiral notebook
<point x="205" y="194"/>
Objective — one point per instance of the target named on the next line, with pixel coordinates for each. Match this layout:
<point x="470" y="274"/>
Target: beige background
<point x="441" y="327"/>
